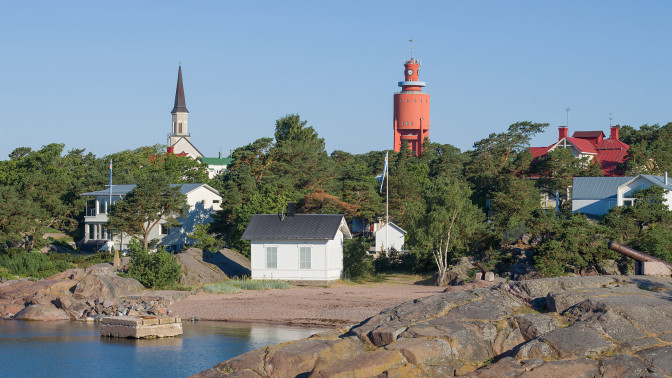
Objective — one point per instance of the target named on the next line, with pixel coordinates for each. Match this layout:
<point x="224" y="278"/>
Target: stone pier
<point x="141" y="327"/>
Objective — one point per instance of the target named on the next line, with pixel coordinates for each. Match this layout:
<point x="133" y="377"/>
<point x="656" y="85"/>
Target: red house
<point x="609" y="152"/>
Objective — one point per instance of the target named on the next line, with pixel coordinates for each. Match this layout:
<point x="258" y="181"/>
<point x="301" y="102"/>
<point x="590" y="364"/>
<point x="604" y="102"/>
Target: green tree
<point x="558" y="168"/>
<point x="357" y="263"/>
<point x="449" y="224"/>
<point x="499" y="156"/>
<point x="153" y="270"/>
<point x="571" y="245"/>
<point x="152" y="201"/>
<point x="646" y="226"/>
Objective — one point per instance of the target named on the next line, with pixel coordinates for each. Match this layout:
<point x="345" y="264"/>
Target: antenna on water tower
<point x="411" y="41"/>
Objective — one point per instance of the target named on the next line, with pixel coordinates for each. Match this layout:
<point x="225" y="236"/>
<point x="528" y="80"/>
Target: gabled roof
<point x="216" y="161"/>
<point x="296" y="227"/>
<point x="655" y="180"/>
<point x="180" y="103"/>
<point x="188" y="141"/>
<point x="393" y="226"/>
<point x="583" y="145"/>
<point x="596" y="188"/>
<point x="609" y="152"/>
<point x="122" y="190"/>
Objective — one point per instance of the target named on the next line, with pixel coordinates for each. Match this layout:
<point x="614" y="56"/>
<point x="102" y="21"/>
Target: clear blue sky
<point x="101" y="75"/>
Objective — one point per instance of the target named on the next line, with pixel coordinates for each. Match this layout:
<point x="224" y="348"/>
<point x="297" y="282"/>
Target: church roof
<point x="180" y="103"/>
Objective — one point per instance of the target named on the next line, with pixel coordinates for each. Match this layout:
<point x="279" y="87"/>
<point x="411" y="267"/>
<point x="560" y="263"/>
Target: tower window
<point x="413" y="100"/>
<point x="406" y="100"/>
<point x="411" y="123"/>
<point x="179" y="126"/>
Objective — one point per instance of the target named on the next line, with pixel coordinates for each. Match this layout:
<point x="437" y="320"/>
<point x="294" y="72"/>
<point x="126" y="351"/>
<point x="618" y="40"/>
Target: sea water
<point x="75" y="349"/>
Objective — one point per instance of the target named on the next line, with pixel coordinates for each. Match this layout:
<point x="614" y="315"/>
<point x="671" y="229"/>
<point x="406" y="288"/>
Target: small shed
<point x="297" y="247"/>
<point x="396" y="236"/>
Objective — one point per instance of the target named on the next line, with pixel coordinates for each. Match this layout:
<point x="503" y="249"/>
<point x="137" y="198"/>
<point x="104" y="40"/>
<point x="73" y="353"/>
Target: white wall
<point x="326" y="259"/>
<point x="396" y="238"/>
<point x="201" y="203"/>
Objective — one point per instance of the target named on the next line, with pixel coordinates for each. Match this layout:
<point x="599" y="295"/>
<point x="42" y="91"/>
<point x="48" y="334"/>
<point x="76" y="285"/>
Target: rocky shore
<point x="600" y="326"/>
<point x="79" y="294"/>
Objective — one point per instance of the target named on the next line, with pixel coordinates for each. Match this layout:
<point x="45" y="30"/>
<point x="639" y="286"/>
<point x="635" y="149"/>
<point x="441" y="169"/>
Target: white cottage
<point x="392" y="234"/>
<point x="202" y="200"/>
<point x="297" y="247"/>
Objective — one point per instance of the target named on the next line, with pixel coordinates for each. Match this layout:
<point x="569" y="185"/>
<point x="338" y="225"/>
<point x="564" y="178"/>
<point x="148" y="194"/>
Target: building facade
<point x="411" y="110"/>
<point x="202" y="200"/>
<point x="608" y="152"/>
<point x="297" y="247"/>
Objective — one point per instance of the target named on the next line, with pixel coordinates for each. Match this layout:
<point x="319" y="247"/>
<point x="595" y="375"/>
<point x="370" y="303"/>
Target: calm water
<point x="75" y="349"/>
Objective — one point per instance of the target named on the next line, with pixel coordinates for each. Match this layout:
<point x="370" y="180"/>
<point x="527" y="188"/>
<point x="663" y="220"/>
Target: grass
<point x="235" y="285"/>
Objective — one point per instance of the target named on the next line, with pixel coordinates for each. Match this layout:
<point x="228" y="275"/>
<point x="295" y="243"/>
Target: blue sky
<point x="101" y="75"/>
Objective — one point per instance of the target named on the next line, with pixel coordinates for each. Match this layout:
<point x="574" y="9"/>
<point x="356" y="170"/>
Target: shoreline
<point x="330" y="307"/>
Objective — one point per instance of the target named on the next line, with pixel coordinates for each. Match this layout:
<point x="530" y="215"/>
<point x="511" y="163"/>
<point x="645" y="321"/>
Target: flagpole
<point x="387" y="208"/>
<point x="109" y="204"/>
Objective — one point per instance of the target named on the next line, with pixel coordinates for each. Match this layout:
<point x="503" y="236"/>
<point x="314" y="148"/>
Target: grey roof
<point x="597" y="187"/>
<point x="297" y="227"/>
<point x="607" y="187"/>
<point x="122" y="190"/>
<point x="659" y="180"/>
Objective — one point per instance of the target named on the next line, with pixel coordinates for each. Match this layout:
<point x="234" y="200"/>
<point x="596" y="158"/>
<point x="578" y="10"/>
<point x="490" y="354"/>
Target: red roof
<point x="583" y="145"/>
<point x="588" y="134"/>
<point x="609" y="152"/>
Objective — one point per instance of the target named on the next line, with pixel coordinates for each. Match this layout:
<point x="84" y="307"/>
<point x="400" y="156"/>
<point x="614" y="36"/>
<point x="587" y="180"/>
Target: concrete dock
<point x="141" y="327"/>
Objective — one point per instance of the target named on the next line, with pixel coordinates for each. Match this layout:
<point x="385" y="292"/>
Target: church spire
<point x="180" y="103"/>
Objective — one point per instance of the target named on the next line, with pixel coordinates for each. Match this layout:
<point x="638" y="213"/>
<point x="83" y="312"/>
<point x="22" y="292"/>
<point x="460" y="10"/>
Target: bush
<point x="153" y="270"/>
<point x="356" y="261"/>
<point x="17" y="262"/>
<point x="235" y="285"/>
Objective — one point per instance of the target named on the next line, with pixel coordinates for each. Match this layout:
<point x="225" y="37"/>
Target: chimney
<point x="291" y="209"/>
<point x="614" y="132"/>
<point x="220" y="154"/>
<point x="562" y="132"/>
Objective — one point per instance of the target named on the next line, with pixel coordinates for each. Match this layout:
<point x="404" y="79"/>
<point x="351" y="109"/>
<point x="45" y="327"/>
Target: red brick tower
<point x="411" y="110"/>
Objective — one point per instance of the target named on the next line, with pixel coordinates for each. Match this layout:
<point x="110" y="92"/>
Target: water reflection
<point x="67" y="349"/>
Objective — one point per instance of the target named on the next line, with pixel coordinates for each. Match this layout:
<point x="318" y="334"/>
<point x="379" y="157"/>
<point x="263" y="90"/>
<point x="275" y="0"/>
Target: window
<point x="411" y="123"/>
<point x="215" y="201"/>
<point x="304" y="257"/>
<point x="163" y="230"/>
<point x="179" y="127"/>
<point x="271" y="257"/>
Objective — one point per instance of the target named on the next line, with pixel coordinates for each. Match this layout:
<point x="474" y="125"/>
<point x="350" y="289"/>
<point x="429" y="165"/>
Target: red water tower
<point x="411" y="110"/>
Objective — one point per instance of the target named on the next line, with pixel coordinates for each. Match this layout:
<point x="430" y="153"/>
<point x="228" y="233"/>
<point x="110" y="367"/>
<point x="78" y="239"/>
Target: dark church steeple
<point x="180" y="103"/>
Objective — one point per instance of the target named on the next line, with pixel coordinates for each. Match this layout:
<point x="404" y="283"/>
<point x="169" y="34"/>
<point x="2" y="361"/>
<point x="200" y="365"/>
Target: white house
<point x="297" y="247"/>
<point x="596" y="195"/>
<point x="216" y="165"/>
<point x="202" y="199"/>
<point x="394" y="235"/>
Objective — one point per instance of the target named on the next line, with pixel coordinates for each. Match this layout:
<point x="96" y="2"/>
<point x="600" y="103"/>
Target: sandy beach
<point x="333" y="306"/>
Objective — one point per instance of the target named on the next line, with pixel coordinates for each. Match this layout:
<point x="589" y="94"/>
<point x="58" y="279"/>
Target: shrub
<point x="17" y="262"/>
<point x="154" y="270"/>
<point x="356" y="261"/>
